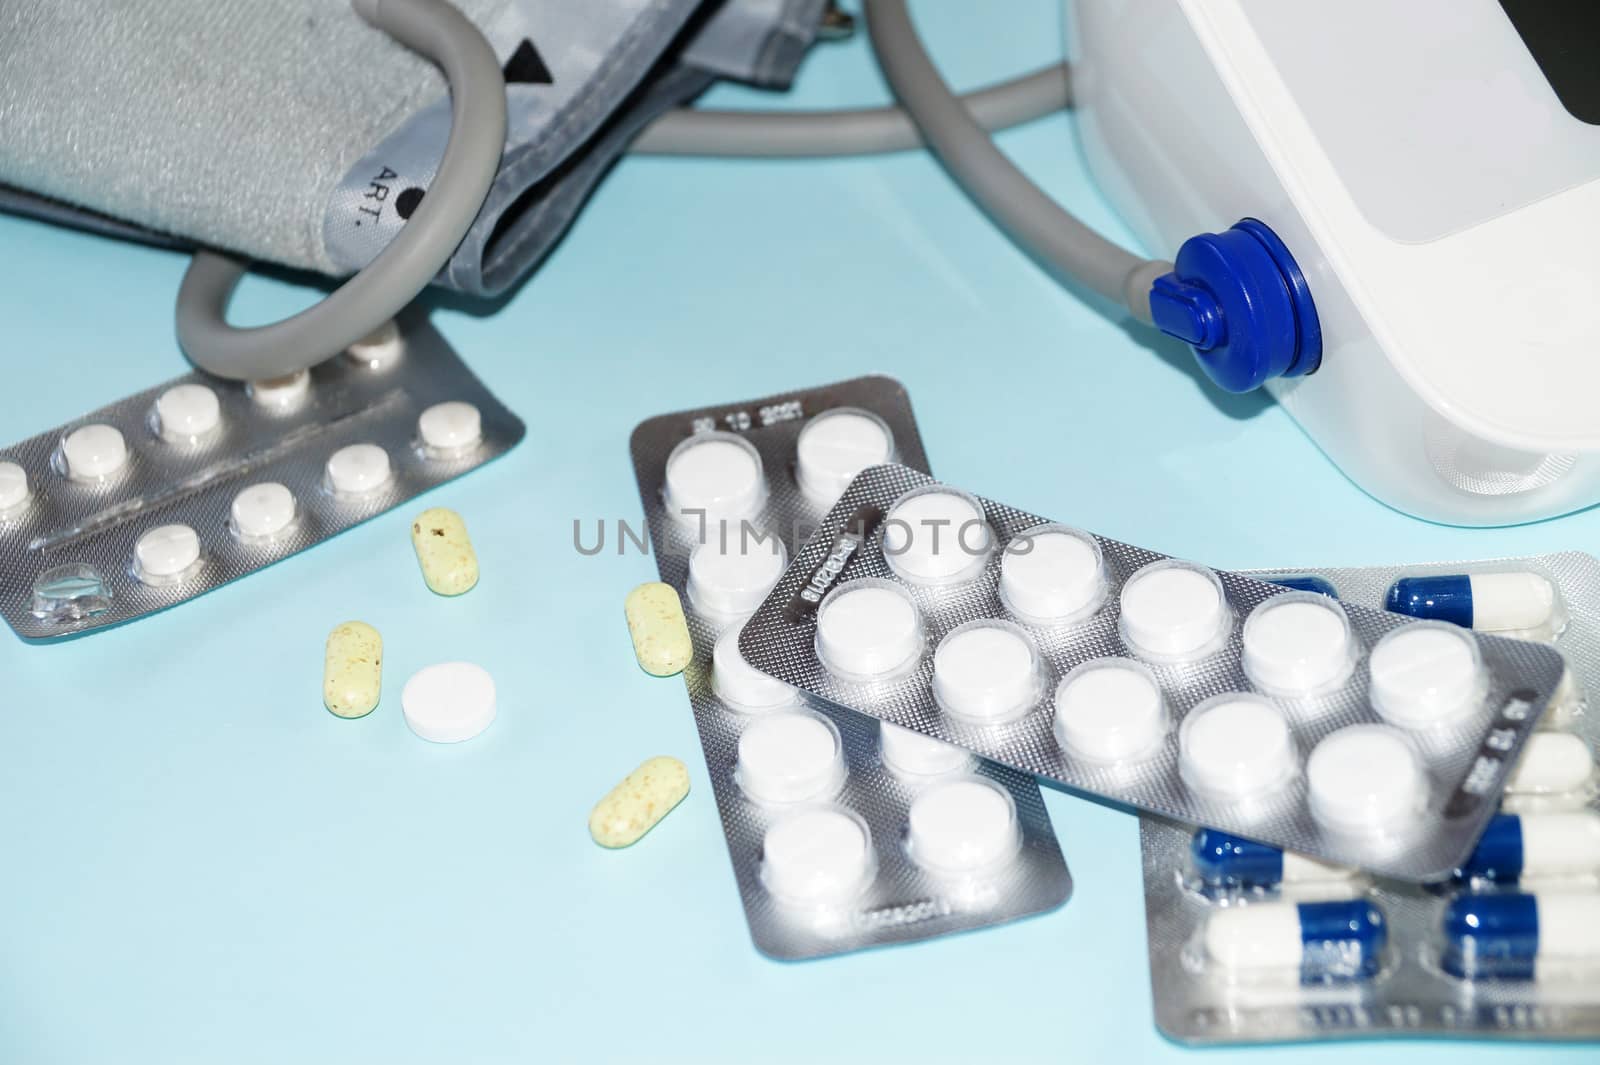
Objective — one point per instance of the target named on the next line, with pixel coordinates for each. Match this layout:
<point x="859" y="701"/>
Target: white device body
<point x="1442" y="202"/>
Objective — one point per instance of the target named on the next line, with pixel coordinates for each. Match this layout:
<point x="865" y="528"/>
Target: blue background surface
<point x="203" y="865"/>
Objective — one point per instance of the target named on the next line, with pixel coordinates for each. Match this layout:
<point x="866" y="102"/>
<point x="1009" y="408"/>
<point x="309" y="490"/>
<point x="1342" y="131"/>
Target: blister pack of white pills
<point x="171" y="492"/>
<point x="842" y="835"/>
<point x="1349" y="734"/>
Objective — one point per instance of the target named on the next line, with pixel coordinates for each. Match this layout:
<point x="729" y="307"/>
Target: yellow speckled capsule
<point x="449" y="564"/>
<point x="659" y="630"/>
<point x="352" y="669"/>
<point x="636" y="805"/>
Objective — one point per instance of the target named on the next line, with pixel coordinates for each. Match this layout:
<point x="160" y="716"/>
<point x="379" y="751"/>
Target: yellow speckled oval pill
<point x="659" y="630"/>
<point x="444" y="551"/>
<point x="352" y="669"/>
<point x="634" y="806"/>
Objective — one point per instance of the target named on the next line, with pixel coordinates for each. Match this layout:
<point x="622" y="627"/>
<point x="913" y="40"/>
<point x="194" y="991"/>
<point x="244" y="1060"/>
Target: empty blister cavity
<point x="1537" y="846"/>
<point x="819" y="857"/>
<point x="1298" y="644"/>
<point x="730" y="574"/>
<point x="70" y="592"/>
<point x="744" y="689"/>
<point x="1366" y="780"/>
<point x="186" y="413"/>
<point x="936" y="535"/>
<point x="713" y="478"/>
<point x="1554" y="769"/>
<point x="281" y="393"/>
<point x="1235" y="747"/>
<point x="1174" y="611"/>
<point x="987" y="672"/>
<point x="1519" y="601"/>
<point x="912" y="755"/>
<point x="450" y="429"/>
<point x="1053" y="575"/>
<point x="836" y="445"/>
<point x="1425" y="675"/>
<point x="379" y="349"/>
<point x="358" y="470"/>
<point x="961" y="828"/>
<point x="790" y="757"/>
<point x="1110" y="710"/>
<point x="1522" y="936"/>
<point x="868" y="630"/>
<point x="1306" y="942"/>
<point x="92" y="453"/>
<point x="166" y="554"/>
<point x="14" y="490"/>
<point x="262" y="512"/>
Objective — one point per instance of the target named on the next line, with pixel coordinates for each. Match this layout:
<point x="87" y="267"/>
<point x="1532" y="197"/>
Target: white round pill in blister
<point x="1298" y="643"/>
<point x="986" y="672"/>
<point x="790" y="756"/>
<point x="449" y="702"/>
<point x="186" y="412"/>
<point x="868" y="630"/>
<point x="817" y="857"/>
<point x="379" y="349"/>
<point x="165" y="554"/>
<point x="1425" y="674"/>
<point x="1052" y="575"/>
<point x="1110" y="710"/>
<point x="936" y="535"/>
<point x="14" y="490"/>
<point x="1173" y="610"/>
<point x="93" y="452"/>
<point x="281" y="393"/>
<point x="450" y="428"/>
<point x="262" y="511"/>
<point x="834" y="447"/>
<point x="962" y="827"/>
<point x="731" y="575"/>
<point x="740" y="685"/>
<point x="714" y="476"/>
<point x="358" y="469"/>
<point x="1366" y="780"/>
<point x="914" y="755"/>
<point x="1236" y="745"/>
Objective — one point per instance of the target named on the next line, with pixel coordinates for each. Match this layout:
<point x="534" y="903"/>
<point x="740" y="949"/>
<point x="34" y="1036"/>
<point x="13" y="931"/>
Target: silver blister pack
<point x="171" y="492"/>
<point x="1182" y="691"/>
<point x="818" y="817"/>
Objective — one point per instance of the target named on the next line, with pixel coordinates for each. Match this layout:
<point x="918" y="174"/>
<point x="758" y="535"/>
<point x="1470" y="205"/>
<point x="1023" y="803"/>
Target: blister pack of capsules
<point x="171" y="492"/>
<point x="842" y="835"/>
<point x="1509" y="945"/>
<point x="1345" y="733"/>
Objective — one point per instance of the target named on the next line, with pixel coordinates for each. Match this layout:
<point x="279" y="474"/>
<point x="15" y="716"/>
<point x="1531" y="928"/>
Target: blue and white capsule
<point x="1519" y="847"/>
<point x="1321" y="942"/>
<point x="1522" y="936"/>
<point x="1223" y="861"/>
<point x="1519" y="601"/>
<point x="1308" y="582"/>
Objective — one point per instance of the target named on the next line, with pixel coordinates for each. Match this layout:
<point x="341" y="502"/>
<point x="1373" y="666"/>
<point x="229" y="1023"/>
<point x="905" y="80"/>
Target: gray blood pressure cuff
<point x="290" y="131"/>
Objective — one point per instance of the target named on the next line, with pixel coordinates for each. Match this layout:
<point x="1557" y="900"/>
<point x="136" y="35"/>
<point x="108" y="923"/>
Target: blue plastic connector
<point x="1239" y="299"/>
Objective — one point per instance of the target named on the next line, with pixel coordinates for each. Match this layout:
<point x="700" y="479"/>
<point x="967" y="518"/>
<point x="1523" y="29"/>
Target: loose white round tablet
<point x="1366" y="780"/>
<point x="14" y="490"/>
<point x="184" y="412"/>
<point x="358" y="468"/>
<point x="740" y="685"/>
<point x="792" y="756"/>
<point x="868" y="629"/>
<point x="834" y="447"/>
<point x="379" y="349"/>
<point x="1173" y="610"/>
<point x="1298" y="643"/>
<point x="94" y="452"/>
<point x="986" y="672"/>
<point x="962" y="827"/>
<point x="1235" y="746"/>
<point x="280" y="393"/>
<point x="732" y="577"/>
<point x="262" y="510"/>
<point x="1426" y="673"/>
<point x="915" y="755"/>
<point x="817" y="857"/>
<point x="716" y="473"/>
<point x="449" y="702"/>
<point x="1110" y="710"/>
<point x="165" y="553"/>
<point x="936" y="535"/>
<point x="451" y="427"/>
<point x="1052" y="575"/>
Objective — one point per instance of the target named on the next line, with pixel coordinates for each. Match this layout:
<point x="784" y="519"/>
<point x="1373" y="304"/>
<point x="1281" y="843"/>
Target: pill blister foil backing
<point x="194" y="484"/>
<point x="1467" y="766"/>
<point x="903" y="903"/>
